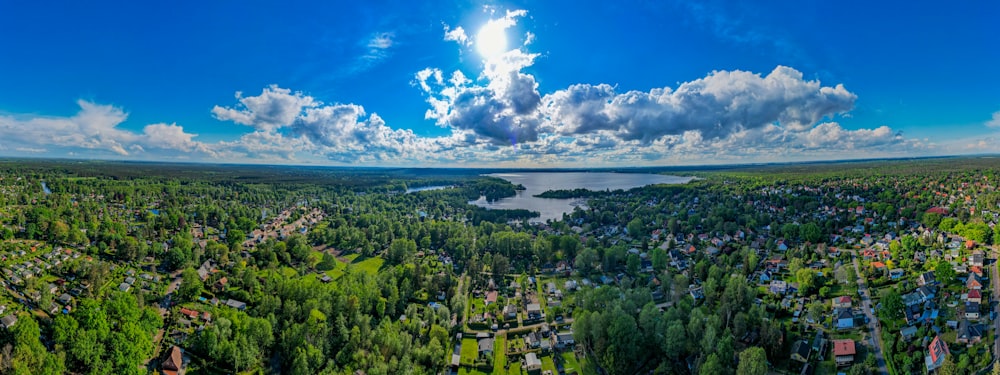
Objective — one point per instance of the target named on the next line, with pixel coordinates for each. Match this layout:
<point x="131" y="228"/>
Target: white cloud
<point x="995" y="121"/>
<point x="95" y="127"/>
<point x="274" y="108"/>
<point x="457" y="35"/>
<point x="720" y="104"/>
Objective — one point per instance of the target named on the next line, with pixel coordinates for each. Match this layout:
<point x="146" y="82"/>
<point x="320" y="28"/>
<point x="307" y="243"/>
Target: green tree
<point x="191" y="285"/>
<point x="811" y="232"/>
<point x="753" y="361"/>
<point x="712" y="366"/>
<point x="944" y="272"/>
<point x="892" y="305"/>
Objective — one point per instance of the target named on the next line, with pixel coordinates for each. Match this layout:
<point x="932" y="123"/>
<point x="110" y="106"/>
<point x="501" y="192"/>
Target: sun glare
<point x="491" y="40"/>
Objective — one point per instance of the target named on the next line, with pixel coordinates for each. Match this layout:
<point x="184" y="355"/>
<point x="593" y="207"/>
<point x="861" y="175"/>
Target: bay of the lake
<point x="553" y="209"/>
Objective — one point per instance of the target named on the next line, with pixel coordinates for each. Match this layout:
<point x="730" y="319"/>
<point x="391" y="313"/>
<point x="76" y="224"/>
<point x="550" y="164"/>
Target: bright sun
<point x="491" y="40"/>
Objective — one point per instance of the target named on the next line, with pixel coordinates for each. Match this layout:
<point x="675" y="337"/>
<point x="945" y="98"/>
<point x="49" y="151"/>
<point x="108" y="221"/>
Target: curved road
<point x="873" y="326"/>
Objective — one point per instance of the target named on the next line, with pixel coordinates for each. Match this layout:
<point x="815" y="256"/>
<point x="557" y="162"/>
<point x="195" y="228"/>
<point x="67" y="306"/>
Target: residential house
<point x="843" y="352"/>
<point x="842" y="302"/>
<point x="936" y="353"/>
<point x="800" y="351"/>
<point x="534" y="311"/>
<point x="174" y="363"/>
<point x="491" y="298"/>
<point x="972" y="310"/>
<point x="486" y="346"/>
<point x="844" y="318"/>
<point x="531" y="362"/>
<point x="8" y="321"/>
<point x="896" y="273"/>
<point x="969" y="333"/>
<point x="977" y="258"/>
<point x="908" y="333"/>
<point x="975" y="295"/>
<point x="236" y="304"/>
<point x="973" y="284"/>
<point x="778" y="287"/>
<point x="564" y="340"/>
<point x="926" y="278"/>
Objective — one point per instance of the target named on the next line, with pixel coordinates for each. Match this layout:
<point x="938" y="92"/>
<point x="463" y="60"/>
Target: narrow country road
<point x="873" y="326"/>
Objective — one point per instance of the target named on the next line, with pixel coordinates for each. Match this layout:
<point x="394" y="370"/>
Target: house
<point x="908" y="332"/>
<point x="926" y="278"/>
<point x="975" y="295"/>
<point x="124" y="287"/>
<point x="532" y="340"/>
<point x="778" y="287"/>
<point x="800" y="351"/>
<point x="896" y="273"/>
<point x="977" y="258"/>
<point x="564" y="340"/>
<point x="491" y="298"/>
<point x="843" y="352"/>
<point x="969" y="333"/>
<point x="510" y="311"/>
<point x="174" y="363"/>
<point x="973" y="284"/>
<point x="819" y="343"/>
<point x="843" y="302"/>
<point x="844" y="318"/>
<point x="189" y="313"/>
<point x="8" y="321"/>
<point x="486" y="346"/>
<point x="971" y="310"/>
<point x="534" y="311"/>
<point x="697" y="293"/>
<point x="531" y="362"/>
<point x="936" y="353"/>
<point x="236" y="304"/>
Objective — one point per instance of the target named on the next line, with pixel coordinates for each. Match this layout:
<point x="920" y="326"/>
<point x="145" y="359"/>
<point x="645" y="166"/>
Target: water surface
<point x="540" y="182"/>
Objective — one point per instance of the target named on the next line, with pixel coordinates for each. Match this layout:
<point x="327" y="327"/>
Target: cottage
<point x="908" y="332"/>
<point x="534" y="311"/>
<point x="800" y="351"/>
<point x="486" y="346"/>
<point x="936" y="353"/>
<point x="491" y="298"/>
<point x="977" y="258"/>
<point x="843" y="352"/>
<point x="778" y="287"/>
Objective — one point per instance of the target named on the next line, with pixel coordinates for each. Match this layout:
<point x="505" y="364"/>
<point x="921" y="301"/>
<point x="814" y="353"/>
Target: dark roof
<point x="802" y="348"/>
<point x="174" y="360"/>
<point x="969" y="331"/>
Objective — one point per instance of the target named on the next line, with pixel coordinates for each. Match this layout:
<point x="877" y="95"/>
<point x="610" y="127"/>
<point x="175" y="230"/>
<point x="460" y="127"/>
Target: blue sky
<point x="577" y="83"/>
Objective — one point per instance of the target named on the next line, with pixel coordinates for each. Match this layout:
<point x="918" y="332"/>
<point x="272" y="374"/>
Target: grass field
<point x="499" y="353"/>
<point x="470" y="350"/>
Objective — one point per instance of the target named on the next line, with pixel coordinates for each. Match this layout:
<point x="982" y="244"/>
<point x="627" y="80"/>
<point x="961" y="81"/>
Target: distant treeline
<point x="576" y="193"/>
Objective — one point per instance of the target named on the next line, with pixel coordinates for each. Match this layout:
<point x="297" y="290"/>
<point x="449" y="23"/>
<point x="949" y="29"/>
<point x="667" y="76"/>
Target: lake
<point x="540" y="182"/>
<point x="427" y="188"/>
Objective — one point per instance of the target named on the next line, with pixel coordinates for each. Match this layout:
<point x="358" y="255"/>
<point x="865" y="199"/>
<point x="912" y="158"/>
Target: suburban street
<point x="873" y="327"/>
<point x="995" y="270"/>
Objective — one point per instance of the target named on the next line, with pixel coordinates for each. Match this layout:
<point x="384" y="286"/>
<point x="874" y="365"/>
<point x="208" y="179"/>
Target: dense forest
<point x="329" y="271"/>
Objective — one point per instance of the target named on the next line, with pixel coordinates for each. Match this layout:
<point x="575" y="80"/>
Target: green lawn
<point x="548" y="364"/>
<point x="369" y="265"/>
<point x="470" y="351"/>
<point x="569" y="362"/>
<point x="499" y="353"/>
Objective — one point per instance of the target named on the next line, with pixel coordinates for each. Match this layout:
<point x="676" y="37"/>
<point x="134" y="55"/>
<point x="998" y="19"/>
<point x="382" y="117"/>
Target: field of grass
<point x="470" y="350"/>
<point x="370" y="265"/>
<point x="548" y="364"/>
<point x="569" y="362"/>
<point x="499" y="353"/>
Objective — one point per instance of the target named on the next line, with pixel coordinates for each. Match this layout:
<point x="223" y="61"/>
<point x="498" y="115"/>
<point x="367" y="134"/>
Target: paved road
<point x="873" y="326"/>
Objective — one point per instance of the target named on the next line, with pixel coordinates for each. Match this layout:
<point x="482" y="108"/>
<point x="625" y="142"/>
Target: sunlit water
<point x="553" y="209"/>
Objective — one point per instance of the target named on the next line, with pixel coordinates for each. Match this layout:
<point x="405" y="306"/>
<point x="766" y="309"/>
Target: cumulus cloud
<point x="457" y="35"/>
<point x="717" y="105"/>
<point x="94" y="127"/>
<point x="274" y="108"/>
<point x="995" y="121"/>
